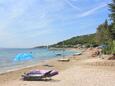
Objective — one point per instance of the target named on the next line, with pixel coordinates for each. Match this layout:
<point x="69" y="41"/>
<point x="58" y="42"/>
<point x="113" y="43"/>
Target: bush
<point x="110" y="49"/>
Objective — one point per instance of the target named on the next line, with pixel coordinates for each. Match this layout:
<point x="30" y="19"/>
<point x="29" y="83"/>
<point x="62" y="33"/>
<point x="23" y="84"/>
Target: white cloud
<point x="71" y="4"/>
<point x="93" y="10"/>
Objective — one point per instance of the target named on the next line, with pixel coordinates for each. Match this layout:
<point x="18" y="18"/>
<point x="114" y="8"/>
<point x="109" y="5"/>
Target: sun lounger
<point x="39" y="75"/>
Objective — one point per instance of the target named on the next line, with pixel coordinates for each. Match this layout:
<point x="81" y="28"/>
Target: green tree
<point x="99" y="34"/>
<point x="112" y="9"/>
<point x="112" y="26"/>
<point x="112" y="16"/>
<point x="103" y="34"/>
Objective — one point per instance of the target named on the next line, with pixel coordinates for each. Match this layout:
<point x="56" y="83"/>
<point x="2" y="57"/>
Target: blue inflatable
<point x="23" y="57"/>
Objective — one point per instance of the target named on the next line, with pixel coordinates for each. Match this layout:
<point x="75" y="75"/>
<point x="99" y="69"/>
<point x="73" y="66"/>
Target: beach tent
<point x="23" y="56"/>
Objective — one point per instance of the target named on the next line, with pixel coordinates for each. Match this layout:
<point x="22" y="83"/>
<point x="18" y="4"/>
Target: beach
<point x="81" y="70"/>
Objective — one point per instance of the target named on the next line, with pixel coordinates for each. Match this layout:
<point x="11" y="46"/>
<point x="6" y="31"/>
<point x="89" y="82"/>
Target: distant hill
<point x="40" y="47"/>
<point x="86" y="40"/>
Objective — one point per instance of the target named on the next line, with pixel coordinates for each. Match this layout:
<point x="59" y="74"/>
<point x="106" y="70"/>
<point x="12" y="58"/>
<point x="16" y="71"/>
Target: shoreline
<point x="15" y="68"/>
<point x="77" y="63"/>
<point x="16" y="73"/>
<point x="29" y="66"/>
<point x="39" y="62"/>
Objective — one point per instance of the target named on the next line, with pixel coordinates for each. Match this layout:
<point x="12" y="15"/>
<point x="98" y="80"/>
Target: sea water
<point x="7" y="56"/>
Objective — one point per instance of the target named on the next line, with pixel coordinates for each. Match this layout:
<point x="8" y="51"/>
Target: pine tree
<point x="112" y="26"/>
<point x="103" y="34"/>
<point x="112" y="16"/>
<point x="112" y="9"/>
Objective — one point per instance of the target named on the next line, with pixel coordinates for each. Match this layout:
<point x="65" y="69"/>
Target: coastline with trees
<point x="104" y="36"/>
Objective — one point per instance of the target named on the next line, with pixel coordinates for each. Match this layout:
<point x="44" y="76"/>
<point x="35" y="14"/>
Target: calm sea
<point x="39" y="54"/>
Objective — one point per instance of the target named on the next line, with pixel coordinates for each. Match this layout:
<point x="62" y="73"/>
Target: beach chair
<point x="36" y="75"/>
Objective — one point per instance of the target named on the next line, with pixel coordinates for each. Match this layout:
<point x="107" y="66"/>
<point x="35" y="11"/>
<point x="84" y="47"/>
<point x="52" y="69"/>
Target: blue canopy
<point x="23" y="56"/>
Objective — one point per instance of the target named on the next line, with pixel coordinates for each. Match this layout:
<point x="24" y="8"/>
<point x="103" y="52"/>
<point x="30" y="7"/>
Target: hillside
<point x="86" y="40"/>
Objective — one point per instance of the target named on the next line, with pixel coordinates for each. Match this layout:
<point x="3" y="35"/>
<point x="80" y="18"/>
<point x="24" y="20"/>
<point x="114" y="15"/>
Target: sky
<point x="30" y="23"/>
